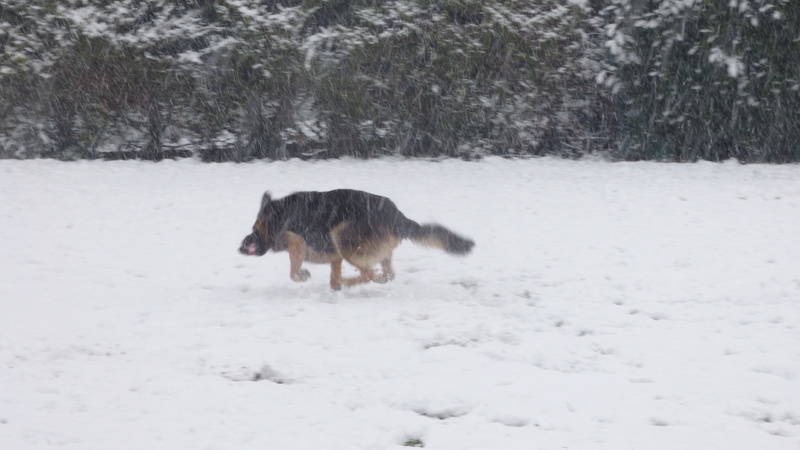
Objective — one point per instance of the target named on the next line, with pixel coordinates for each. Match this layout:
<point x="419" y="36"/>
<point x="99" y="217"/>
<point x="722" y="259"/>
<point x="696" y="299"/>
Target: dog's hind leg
<point x="366" y="276"/>
<point x="389" y="244"/>
<point x="364" y="247"/>
<point x="386" y="275"/>
<point x="388" y="272"/>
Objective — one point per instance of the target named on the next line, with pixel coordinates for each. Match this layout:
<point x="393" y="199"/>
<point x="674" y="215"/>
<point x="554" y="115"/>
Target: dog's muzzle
<point x="249" y="249"/>
<point x="252" y="245"/>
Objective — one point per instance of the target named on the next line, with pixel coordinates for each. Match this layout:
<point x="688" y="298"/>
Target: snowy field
<point x="606" y="306"/>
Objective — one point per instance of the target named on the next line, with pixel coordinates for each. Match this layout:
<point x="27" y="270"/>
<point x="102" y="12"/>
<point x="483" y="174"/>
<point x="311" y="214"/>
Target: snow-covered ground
<point x="606" y="306"/>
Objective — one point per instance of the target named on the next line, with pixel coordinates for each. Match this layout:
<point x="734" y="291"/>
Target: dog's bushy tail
<point x="437" y="236"/>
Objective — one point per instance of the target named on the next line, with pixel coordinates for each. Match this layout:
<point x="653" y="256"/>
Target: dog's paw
<point x="381" y="278"/>
<point x="301" y="276"/>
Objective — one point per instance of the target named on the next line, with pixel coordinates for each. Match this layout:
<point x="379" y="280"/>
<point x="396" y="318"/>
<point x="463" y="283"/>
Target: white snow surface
<point x="605" y="306"/>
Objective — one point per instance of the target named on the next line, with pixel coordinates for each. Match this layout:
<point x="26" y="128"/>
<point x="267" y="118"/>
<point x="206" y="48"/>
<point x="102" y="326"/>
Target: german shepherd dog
<point x="329" y="227"/>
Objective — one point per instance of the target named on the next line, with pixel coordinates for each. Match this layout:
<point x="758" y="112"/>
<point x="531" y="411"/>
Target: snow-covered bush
<point x="710" y="80"/>
<point x="242" y="79"/>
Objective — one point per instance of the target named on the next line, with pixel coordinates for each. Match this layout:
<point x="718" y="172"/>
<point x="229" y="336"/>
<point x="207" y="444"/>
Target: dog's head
<point x="259" y="241"/>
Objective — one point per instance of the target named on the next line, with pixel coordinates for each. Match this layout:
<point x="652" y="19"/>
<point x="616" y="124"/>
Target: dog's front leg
<point x="297" y="248"/>
<point x="336" y="274"/>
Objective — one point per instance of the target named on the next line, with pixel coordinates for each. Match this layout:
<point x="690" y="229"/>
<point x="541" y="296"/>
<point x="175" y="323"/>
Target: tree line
<point x="236" y="80"/>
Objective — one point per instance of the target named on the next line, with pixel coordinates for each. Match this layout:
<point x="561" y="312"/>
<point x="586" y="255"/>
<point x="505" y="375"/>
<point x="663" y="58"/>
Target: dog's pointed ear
<point x="266" y="199"/>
